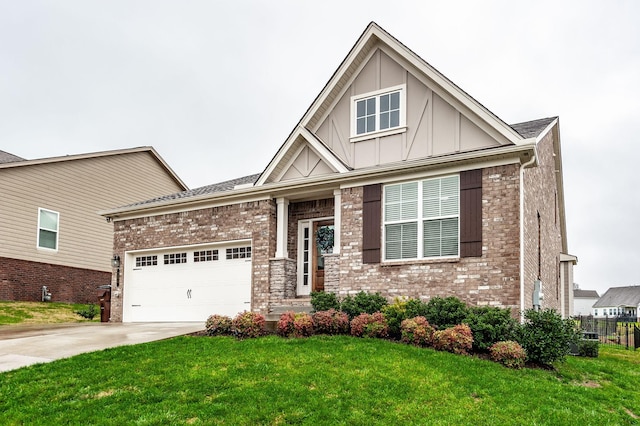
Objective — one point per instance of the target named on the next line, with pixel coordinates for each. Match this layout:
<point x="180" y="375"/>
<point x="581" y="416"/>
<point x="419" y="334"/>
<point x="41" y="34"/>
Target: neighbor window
<point x="48" y="229"/>
<point x="378" y="111"/>
<point x="421" y="219"/>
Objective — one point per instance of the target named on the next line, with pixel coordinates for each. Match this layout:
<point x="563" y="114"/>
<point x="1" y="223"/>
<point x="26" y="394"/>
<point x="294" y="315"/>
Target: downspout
<point x="522" y="167"/>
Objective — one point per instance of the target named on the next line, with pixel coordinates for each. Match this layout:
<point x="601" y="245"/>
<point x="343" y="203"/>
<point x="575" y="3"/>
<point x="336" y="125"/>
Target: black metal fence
<point x="615" y="330"/>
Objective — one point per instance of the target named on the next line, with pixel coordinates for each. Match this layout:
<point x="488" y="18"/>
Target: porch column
<point x="337" y="219"/>
<point x="282" y="225"/>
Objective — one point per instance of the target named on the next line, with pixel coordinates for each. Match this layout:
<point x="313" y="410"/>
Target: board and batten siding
<point x="434" y="126"/>
<point x="77" y="189"/>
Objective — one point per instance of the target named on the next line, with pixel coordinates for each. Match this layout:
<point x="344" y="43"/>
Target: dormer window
<point x="378" y="113"/>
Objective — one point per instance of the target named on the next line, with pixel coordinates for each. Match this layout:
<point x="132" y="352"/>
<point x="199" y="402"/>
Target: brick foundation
<point x="22" y="280"/>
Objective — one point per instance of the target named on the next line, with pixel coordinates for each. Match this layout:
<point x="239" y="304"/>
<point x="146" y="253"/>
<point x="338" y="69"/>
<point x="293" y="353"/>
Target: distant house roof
<point x="531" y="129"/>
<point x="619" y="296"/>
<point x="21" y="162"/>
<point x="227" y="185"/>
<point x="585" y="293"/>
<point x="5" y="157"/>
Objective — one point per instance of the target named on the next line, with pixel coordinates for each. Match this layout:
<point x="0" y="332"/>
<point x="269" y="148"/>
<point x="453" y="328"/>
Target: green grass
<point x="40" y="313"/>
<point x="319" y="380"/>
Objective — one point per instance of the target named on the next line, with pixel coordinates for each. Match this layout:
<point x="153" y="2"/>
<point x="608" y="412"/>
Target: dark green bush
<point x="401" y="310"/>
<point x="218" y="325"/>
<point x="89" y="312"/>
<point x="363" y="303"/>
<point x="321" y="301"/>
<point x="588" y="348"/>
<point x="490" y="325"/>
<point x="546" y="337"/>
<point x="445" y="312"/>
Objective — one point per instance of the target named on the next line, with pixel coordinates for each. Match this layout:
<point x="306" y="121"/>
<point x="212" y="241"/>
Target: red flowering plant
<point x="331" y="322"/>
<point x="417" y="331"/>
<point x="457" y="339"/>
<point x="370" y="325"/>
<point x="248" y="324"/>
<point x="218" y="325"/>
<point x="508" y="353"/>
<point x="292" y="324"/>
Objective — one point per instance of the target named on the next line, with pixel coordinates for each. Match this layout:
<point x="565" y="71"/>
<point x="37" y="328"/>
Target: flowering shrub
<point x="295" y="324"/>
<point x="370" y="325"/>
<point x="218" y="325"/>
<point x="248" y="324"/>
<point x="417" y="331"/>
<point x="331" y="322"/>
<point x="457" y="339"/>
<point x="508" y="353"/>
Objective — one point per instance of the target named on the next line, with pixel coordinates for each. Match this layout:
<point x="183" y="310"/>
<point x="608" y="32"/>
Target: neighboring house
<point x="50" y="231"/>
<point x="619" y="301"/>
<point x="395" y="181"/>
<point x="583" y="301"/>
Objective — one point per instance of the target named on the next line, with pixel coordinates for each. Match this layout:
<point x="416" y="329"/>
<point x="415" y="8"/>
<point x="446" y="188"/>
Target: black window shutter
<point x="471" y="213"/>
<point x="371" y="223"/>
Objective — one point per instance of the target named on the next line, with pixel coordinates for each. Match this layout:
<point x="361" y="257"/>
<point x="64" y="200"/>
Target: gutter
<point x="522" y="167"/>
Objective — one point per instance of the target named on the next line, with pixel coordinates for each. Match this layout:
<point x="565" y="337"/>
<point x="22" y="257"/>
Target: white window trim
<point x="402" y="127"/>
<point x="57" y="230"/>
<point x="419" y="220"/>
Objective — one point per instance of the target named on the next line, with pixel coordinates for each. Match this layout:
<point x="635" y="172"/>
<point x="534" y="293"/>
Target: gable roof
<point x="591" y="294"/>
<point x="227" y="185"/>
<point x="372" y="38"/>
<point x="5" y="157"/>
<point x="619" y="296"/>
<point x="534" y="128"/>
<point x="50" y="160"/>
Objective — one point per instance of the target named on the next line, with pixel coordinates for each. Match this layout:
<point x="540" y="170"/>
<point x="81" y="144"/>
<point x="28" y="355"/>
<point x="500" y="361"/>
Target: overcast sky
<point x="216" y="87"/>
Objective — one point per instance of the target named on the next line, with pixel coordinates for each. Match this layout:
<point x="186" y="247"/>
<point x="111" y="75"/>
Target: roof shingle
<point x="5" y="157"/>
<point x="620" y="296"/>
<point x="531" y="129"/>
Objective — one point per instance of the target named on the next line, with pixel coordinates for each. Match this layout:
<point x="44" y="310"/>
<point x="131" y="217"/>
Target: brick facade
<point x="492" y="279"/>
<point x="22" y="280"/>
<point x="541" y="199"/>
<point x="249" y="220"/>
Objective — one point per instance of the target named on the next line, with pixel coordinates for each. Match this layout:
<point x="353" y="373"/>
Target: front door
<point x="316" y="240"/>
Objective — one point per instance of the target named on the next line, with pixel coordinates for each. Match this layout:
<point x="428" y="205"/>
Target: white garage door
<point x="187" y="284"/>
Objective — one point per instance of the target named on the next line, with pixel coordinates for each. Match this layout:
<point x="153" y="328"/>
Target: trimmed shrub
<point x="445" y="312"/>
<point x="370" y="325"/>
<point x="508" y="353"/>
<point x="490" y="325"/>
<point x="546" y="337"/>
<point x="218" y="325"/>
<point x="362" y="302"/>
<point x="331" y="322"/>
<point x="400" y="310"/>
<point x="457" y="339"/>
<point x="89" y="312"/>
<point x="589" y="348"/>
<point x="321" y="301"/>
<point x="248" y="324"/>
<point x="295" y="324"/>
<point x="417" y="331"/>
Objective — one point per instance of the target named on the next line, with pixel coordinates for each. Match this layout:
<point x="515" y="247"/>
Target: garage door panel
<point x="189" y="291"/>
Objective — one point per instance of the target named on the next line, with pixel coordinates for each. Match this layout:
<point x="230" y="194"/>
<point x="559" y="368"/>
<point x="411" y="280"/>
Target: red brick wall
<point x="22" y="280"/>
<point x="250" y="220"/>
<point x="540" y="197"/>
<point x="492" y="279"/>
<point x="305" y="210"/>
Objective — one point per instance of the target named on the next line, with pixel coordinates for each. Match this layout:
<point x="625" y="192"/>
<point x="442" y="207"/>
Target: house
<point x="50" y="232"/>
<point x="395" y="181"/>
<point x="583" y="301"/>
<point x="619" y="301"/>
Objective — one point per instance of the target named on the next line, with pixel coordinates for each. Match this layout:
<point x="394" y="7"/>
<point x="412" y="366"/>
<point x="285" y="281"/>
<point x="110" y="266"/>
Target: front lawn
<point x="41" y="312"/>
<point x="317" y="380"/>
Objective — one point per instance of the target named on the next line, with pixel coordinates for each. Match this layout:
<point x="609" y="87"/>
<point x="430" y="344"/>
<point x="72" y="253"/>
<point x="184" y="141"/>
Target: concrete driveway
<point x="25" y="345"/>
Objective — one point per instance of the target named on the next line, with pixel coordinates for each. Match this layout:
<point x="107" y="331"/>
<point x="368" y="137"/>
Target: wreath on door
<point x="324" y="239"/>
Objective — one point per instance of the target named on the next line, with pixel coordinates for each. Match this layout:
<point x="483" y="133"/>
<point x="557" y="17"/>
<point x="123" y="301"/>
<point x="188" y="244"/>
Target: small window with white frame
<point x="378" y="113"/>
<point x="48" y="223"/>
